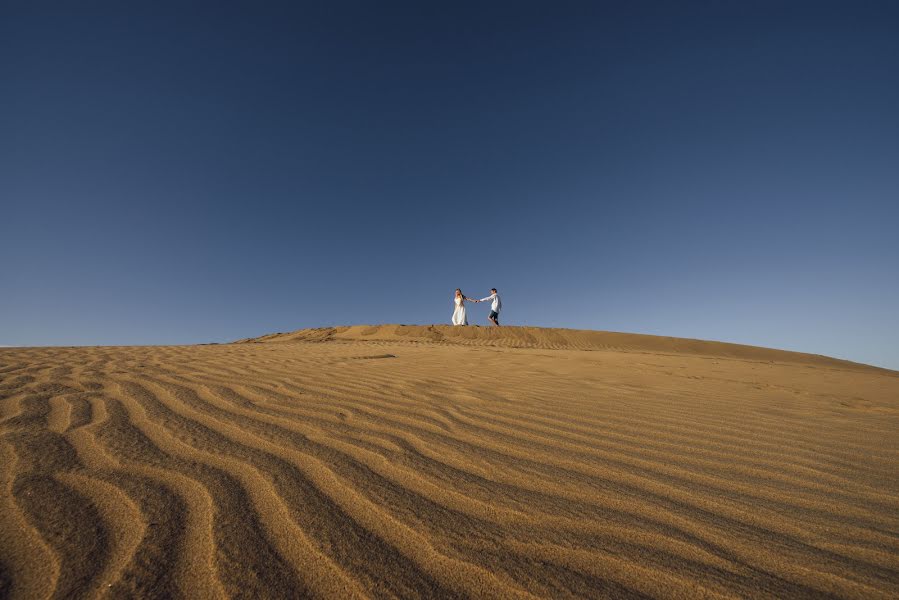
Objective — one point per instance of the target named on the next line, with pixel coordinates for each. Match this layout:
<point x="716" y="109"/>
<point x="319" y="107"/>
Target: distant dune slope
<point x="550" y="338"/>
<point x="430" y="462"/>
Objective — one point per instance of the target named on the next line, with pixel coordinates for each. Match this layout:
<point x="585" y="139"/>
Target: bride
<point x="459" y="316"/>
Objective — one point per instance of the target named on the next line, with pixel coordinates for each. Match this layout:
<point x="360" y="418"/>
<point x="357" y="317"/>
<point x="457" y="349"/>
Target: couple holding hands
<point x="459" y="316"/>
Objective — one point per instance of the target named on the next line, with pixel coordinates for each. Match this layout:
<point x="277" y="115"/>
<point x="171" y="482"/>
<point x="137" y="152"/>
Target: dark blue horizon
<point x="176" y="174"/>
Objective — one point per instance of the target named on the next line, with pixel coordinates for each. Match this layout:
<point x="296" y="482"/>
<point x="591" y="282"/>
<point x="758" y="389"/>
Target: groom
<point x="495" y="307"/>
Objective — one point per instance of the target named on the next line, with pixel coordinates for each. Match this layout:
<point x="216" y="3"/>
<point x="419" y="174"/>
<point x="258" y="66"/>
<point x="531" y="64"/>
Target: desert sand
<point x="414" y="461"/>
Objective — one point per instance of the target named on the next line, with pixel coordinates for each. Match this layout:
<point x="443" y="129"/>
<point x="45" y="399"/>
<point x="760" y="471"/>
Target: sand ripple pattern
<point x="357" y="463"/>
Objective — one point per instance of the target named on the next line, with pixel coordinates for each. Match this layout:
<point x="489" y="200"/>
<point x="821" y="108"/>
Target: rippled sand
<point x="436" y="462"/>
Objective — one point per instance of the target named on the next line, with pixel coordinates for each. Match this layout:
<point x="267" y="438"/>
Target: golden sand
<point x="405" y="461"/>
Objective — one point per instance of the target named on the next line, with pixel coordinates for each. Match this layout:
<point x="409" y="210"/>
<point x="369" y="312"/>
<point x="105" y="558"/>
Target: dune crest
<point x="550" y="338"/>
<point x="416" y="461"/>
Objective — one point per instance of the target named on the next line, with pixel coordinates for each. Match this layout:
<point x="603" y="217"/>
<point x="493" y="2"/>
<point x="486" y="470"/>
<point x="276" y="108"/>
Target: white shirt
<point x="497" y="303"/>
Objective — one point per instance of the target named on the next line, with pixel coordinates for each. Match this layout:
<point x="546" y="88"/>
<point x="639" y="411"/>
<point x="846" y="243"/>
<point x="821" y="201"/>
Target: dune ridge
<point x="551" y="339"/>
<point x="412" y="461"/>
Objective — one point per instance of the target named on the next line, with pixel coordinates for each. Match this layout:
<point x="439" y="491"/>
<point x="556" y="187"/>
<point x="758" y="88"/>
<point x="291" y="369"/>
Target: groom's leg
<point x="494" y="316"/>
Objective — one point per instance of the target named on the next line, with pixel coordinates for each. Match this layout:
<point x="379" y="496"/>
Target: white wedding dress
<point x="459" y="316"/>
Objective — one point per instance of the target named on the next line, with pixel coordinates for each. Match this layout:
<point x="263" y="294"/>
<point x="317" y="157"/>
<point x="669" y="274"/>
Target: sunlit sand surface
<point x="414" y="462"/>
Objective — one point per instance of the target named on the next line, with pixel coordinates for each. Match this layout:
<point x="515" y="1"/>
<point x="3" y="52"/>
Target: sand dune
<point x="549" y="338"/>
<point x="414" y="461"/>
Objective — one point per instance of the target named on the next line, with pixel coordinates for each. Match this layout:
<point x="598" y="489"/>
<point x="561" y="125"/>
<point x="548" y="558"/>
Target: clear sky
<point x="724" y="170"/>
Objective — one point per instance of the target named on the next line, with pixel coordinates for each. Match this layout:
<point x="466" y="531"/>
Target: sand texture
<point x="413" y="461"/>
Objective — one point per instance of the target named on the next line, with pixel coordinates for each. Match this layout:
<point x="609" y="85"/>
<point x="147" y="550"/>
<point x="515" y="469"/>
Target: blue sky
<point x="716" y="170"/>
